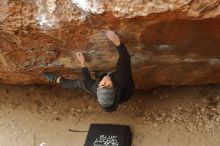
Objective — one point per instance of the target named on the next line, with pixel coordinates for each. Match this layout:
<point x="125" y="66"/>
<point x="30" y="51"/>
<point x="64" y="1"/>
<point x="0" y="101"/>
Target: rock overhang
<point x="171" y="43"/>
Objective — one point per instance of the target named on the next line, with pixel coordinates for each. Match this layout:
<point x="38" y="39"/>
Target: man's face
<point x="106" y="82"/>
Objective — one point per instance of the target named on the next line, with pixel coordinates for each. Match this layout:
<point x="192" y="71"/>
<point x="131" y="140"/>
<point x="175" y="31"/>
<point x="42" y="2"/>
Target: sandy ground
<point x="183" y="116"/>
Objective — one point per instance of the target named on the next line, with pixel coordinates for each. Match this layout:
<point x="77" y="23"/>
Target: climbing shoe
<point x="50" y="77"/>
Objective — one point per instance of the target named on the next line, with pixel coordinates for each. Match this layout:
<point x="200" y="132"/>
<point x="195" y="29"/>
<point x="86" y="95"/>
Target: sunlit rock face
<point x="173" y="42"/>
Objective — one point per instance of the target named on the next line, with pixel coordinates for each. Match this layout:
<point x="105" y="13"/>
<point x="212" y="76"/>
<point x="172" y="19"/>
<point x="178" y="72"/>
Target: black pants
<point x="75" y="84"/>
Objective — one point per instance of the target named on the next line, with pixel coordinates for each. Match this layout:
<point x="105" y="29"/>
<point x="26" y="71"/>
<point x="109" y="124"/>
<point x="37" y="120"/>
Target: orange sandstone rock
<point x="172" y="43"/>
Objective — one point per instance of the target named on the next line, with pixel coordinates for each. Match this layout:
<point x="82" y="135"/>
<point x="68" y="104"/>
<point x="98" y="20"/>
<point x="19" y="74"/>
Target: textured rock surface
<point x="172" y="42"/>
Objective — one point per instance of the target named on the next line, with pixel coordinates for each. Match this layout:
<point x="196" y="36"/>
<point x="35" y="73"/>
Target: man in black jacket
<point x="109" y="88"/>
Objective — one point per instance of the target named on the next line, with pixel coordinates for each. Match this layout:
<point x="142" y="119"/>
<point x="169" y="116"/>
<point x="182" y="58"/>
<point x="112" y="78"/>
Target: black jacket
<point x="121" y="78"/>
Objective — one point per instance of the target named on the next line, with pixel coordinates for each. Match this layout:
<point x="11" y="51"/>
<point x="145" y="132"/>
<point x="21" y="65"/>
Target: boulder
<point x="172" y="42"/>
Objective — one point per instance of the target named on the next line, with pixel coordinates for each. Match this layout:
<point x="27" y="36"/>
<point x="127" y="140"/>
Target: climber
<point x="109" y="88"/>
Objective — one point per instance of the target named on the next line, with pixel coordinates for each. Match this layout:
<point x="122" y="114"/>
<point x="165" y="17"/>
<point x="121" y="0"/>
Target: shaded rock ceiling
<point x="172" y="42"/>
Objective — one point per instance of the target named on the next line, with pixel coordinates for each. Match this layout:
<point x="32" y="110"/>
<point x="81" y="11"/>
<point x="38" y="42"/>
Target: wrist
<point x="117" y="43"/>
<point x="83" y="64"/>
